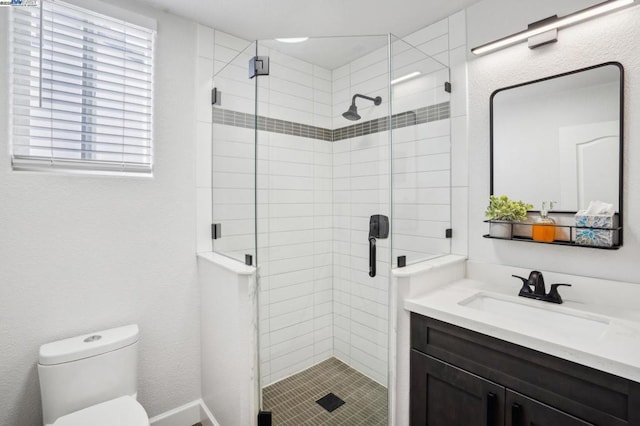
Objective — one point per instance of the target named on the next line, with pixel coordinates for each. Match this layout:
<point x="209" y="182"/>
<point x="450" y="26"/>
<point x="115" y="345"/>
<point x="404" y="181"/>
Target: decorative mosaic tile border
<point x="423" y="115"/>
<point x="427" y="114"/>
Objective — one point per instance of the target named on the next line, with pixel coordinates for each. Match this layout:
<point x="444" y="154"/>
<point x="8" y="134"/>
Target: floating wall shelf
<point x="566" y="234"/>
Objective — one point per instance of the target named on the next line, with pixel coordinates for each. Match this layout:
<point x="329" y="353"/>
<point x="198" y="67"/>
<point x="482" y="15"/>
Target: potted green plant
<point x="502" y="213"/>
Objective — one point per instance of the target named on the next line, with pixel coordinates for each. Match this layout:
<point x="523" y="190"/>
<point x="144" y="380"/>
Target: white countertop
<point x="615" y="350"/>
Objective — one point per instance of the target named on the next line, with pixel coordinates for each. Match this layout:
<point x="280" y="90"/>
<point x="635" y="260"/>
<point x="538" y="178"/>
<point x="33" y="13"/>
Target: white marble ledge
<point x="227" y="263"/>
<point x="427" y="265"/>
<point x="615" y="351"/>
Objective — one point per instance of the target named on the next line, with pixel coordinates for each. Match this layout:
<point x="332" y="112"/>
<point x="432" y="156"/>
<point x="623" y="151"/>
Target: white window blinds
<point x="81" y="90"/>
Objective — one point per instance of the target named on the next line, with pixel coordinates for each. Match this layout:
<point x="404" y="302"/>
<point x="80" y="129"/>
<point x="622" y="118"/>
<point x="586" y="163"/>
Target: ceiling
<point x="268" y="19"/>
<point x="328" y="52"/>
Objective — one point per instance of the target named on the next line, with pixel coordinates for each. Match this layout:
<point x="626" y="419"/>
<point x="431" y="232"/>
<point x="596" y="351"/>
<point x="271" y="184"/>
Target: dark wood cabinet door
<point x="444" y="395"/>
<point x="524" y="411"/>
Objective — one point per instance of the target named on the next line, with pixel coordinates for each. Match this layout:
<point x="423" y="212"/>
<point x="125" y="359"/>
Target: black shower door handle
<point x="378" y="228"/>
<point x="372" y="257"/>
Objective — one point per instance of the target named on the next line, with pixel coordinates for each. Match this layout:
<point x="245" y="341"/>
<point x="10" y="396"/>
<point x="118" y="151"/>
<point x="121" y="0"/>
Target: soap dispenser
<point x="544" y="228"/>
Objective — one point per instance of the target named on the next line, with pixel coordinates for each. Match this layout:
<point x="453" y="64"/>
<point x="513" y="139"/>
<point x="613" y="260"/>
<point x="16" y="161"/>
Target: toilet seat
<point x="123" y="411"/>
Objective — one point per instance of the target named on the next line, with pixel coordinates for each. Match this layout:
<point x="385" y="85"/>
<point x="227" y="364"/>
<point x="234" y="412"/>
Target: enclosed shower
<point x="330" y="167"/>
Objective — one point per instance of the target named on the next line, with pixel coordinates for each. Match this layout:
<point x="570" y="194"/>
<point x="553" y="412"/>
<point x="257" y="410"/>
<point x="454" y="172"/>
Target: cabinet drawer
<point x="444" y="395"/>
<point x="592" y="395"/>
<point x="523" y="411"/>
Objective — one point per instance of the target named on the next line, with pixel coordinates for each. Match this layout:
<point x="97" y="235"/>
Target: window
<point x="81" y="90"/>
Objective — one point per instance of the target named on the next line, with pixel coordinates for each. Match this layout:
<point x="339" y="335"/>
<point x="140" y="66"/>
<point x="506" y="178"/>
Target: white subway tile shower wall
<point x="295" y="254"/>
<point x="421" y="190"/>
<point x="360" y="303"/>
<point x="315" y="197"/>
<point x="295" y="236"/>
<point x="294" y="201"/>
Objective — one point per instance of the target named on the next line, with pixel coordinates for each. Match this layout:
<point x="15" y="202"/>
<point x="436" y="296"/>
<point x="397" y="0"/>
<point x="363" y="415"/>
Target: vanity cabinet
<point x="463" y="378"/>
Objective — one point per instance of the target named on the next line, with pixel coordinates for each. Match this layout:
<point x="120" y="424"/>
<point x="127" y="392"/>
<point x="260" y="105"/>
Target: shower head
<point x="352" y="113"/>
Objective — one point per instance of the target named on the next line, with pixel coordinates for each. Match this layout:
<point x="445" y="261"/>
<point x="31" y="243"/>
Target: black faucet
<point x="539" y="292"/>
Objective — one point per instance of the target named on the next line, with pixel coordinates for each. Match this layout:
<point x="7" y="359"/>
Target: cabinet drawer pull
<point x="492" y="401"/>
<point x="516" y="414"/>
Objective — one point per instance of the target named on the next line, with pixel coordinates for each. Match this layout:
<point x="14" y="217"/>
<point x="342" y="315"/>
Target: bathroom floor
<point x="293" y="400"/>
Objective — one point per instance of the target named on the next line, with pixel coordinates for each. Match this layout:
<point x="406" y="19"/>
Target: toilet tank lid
<point x="88" y="345"/>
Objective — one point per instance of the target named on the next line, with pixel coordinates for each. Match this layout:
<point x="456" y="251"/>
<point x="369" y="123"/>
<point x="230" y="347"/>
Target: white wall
<point x="608" y="38"/>
<point x="84" y="253"/>
<point x="493" y="19"/>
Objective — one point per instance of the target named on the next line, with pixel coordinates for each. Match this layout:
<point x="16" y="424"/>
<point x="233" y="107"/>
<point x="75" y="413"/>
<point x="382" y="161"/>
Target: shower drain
<point x="330" y="402"/>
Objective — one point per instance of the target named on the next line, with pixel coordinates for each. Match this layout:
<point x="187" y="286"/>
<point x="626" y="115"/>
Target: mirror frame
<point x="621" y="131"/>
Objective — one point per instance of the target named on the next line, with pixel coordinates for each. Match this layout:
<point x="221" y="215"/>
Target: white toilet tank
<point x="86" y="370"/>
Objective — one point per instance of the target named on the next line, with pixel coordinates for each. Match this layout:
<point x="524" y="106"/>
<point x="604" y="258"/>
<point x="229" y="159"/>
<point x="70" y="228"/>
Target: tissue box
<point x="594" y="221"/>
<point x="586" y="235"/>
<point x="594" y="237"/>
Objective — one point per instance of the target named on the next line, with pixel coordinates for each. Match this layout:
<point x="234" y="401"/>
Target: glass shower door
<point x="321" y="176"/>
<point x="421" y="167"/>
<point x="233" y="156"/>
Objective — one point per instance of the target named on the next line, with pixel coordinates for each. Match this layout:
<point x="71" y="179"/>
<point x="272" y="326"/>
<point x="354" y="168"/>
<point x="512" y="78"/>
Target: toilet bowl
<point x="92" y="380"/>
<point x="123" y="411"/>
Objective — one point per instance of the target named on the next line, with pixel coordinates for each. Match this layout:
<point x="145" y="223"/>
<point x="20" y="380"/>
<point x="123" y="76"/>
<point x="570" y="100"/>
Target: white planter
<point x="501" y="229"/>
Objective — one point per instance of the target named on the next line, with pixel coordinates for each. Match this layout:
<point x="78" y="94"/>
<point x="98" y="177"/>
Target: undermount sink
<point x="551" y="321"/>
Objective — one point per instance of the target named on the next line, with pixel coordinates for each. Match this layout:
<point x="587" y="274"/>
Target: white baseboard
<point x="185" y="415"/>
<point x="206" y="416"/>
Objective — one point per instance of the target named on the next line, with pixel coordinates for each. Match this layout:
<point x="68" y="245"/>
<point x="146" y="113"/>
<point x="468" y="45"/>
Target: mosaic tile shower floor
<point x="293" y="400"/>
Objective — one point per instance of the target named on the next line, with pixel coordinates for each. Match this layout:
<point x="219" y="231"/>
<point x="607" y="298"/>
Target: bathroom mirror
<point x="560" y="139"/>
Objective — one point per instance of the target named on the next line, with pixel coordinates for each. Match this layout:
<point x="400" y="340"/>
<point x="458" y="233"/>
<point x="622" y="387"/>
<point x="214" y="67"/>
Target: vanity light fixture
<point x="292" y="40"/>
<point x="536" y="31"/>
<point x="405" y="77"/>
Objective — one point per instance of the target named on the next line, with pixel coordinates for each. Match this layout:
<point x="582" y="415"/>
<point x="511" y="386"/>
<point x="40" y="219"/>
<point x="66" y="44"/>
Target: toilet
<point x="92" y="380"/>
